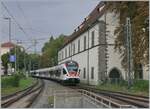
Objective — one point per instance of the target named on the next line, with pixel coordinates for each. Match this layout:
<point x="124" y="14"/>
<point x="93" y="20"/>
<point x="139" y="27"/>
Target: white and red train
<point x="67" y="72"/>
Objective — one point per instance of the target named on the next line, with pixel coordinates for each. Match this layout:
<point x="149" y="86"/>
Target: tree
<point x="138" y="12"/>
<point x="50" y="51"/>
<point x="5" y="61"/>
<point x="34" y="60"/>
<point x="19" y="58"/>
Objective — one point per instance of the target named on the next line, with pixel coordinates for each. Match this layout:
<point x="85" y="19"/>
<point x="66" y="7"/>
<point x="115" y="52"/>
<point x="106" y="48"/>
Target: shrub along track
<point x="23" y="98"/>
<point x="134" y="100"/>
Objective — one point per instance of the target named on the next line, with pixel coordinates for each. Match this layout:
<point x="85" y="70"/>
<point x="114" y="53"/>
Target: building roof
<point x="88" y="21"/>
<point x="8" y="45"/>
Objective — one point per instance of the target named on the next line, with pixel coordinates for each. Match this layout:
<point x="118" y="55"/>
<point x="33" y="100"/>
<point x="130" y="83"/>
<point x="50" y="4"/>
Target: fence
<point x="93" y="98"/>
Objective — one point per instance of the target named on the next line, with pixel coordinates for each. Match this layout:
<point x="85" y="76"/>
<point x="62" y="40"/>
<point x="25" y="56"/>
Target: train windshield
<point x="72" y="67"/>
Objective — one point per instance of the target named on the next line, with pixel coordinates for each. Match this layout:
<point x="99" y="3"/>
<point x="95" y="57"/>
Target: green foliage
<point x="50" y="51"/>
<point x="138" y="11"/>
<point x="51" y="100"/>
<point x="5" y="61"/>
<point x="141" y="85"/>
<point x="21" y="54"/>
<point x="12" y="80"/>
<point x="23" y="83"/>
<point x="34" y="60"/>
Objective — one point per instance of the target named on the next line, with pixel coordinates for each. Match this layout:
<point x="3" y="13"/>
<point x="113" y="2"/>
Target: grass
<point x="51" y="100"/>
<point x="23" y="83"/>
<point x="140" y="87"/>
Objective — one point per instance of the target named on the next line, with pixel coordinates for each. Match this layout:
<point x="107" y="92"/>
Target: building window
<point x="92" y="72"/>
<point x="59" y="56"/>
<point x="140" y="71"/>
<point x="73" y="48"/>
<point x="65" y="52"/>
<point x="92" y="38"/>
<point x="69" y="50"/>
<point x="62" y="55"/>
<point x="84" y="42"/>
<point x="84" y="73"/>
<point x="79" y="45"/>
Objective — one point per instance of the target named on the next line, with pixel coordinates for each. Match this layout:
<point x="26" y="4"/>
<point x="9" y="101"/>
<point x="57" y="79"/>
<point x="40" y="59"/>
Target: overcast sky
<point x="43" y="18"/>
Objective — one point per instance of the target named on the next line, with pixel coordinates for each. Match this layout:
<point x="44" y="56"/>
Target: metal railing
<point x="95" y="99"/>
<point x="105" y="102"/>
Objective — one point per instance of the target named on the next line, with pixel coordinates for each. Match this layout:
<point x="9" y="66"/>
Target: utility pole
<point x="16" y="55"/>
<point x="34" y="43"/>
<point x="15" y="59"/>
<point x="129" y="52"/>
<point x="9" y="19"/>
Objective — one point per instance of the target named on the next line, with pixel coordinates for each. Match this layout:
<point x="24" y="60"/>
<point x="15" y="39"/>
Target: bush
<point x="141" y="85"/>
<point x="21" y="75"/>
<point x="12" y="81"/>
<point x="16" y="79"/>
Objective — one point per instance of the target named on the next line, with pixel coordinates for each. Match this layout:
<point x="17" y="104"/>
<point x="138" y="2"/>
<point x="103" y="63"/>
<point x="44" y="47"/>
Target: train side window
<point x="58" y="73"/>
<point x="51" y="73"/>
<point x="64" y="71"/>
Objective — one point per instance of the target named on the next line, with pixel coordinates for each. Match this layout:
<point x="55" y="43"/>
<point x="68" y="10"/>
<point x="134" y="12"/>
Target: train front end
<point x="72" y="75"/>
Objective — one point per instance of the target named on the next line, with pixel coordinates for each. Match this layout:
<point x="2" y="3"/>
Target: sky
<point x="41" y="19"/>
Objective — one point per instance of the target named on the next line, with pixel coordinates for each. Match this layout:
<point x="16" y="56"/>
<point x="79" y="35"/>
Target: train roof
<point x="47" y="69"/>
<point x="52" y="68"/>
<point x="68" y="61"/>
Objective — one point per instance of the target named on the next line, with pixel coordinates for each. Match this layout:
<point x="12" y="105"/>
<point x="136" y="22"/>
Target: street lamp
<point x="9" y="19"/>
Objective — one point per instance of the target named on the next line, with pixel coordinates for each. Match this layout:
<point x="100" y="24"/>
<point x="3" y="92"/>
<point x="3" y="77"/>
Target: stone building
<point x="92" y="46"/>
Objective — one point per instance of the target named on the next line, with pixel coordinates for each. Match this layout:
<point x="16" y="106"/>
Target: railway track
<point x="124" y="98"/>
<point x="118" y="97"/>
<point x="24" y="97"/>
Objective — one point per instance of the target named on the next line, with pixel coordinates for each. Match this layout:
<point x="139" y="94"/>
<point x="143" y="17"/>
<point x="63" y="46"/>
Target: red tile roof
<point x="88" y="21"/>
<point x="8" y="45"/>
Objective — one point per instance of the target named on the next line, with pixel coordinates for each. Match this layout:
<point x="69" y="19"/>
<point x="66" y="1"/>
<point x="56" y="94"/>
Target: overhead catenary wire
<point x="23" y="13"/>
<point x="19" y="26"/>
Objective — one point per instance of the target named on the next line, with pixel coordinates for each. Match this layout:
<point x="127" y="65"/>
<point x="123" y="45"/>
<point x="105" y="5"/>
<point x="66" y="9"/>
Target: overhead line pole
<point x="9" y="19"/>
<point x="129" y="52"/>
<point x="19" y="26"/>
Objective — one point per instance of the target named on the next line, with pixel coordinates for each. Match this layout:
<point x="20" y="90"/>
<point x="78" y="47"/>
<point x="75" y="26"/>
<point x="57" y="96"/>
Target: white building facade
<point x="92" y="46"/>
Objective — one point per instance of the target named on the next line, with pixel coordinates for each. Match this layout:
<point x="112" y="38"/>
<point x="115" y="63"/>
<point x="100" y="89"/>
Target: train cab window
<point x="72" y="67"/>
<point x="64" y="71"/>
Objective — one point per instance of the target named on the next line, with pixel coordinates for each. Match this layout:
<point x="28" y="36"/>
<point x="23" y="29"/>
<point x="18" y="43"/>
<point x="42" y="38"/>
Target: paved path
<point x="74" y="100"/>
<point x="42" y="100"/>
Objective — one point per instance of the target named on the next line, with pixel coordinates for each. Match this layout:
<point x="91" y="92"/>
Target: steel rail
<point x="22" y="94"/>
